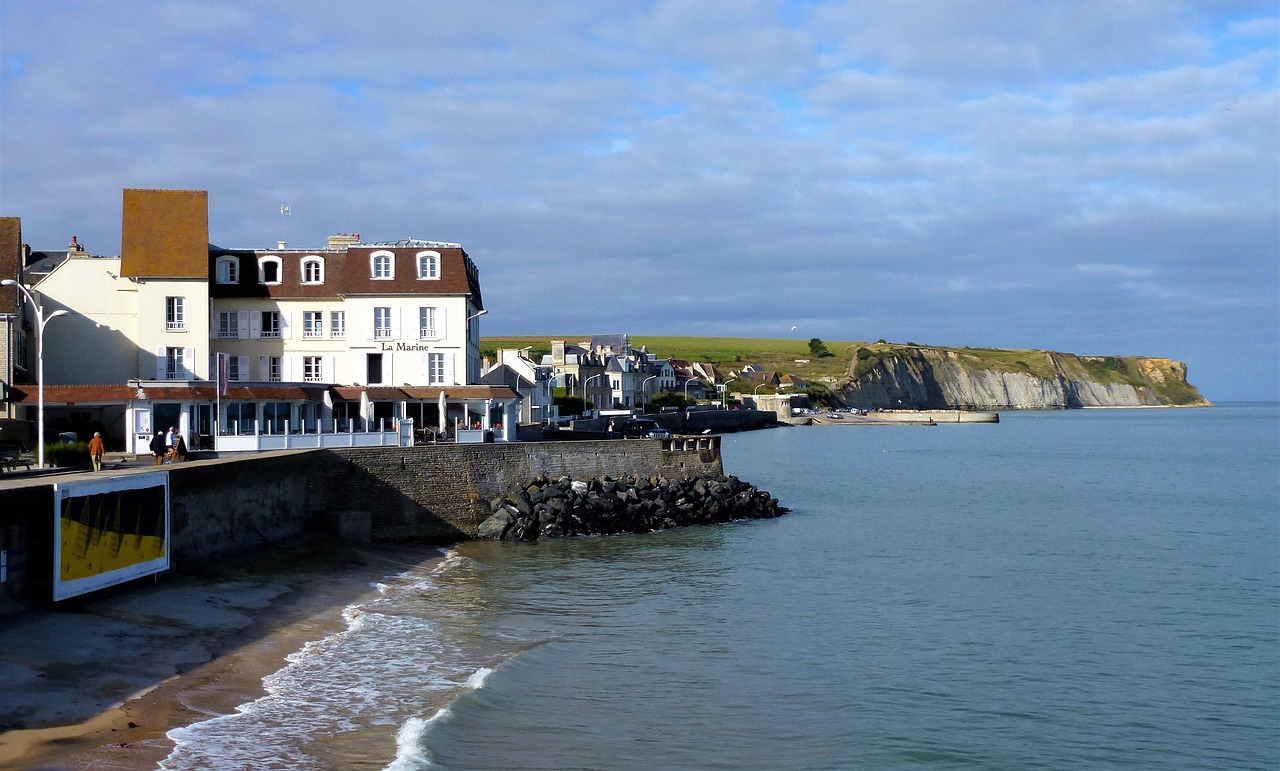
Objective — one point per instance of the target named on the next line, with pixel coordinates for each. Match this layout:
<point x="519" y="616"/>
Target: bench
<point x="11" y="459"/>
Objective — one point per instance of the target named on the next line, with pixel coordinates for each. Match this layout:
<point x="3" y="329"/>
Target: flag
<point x="224" y="373"/>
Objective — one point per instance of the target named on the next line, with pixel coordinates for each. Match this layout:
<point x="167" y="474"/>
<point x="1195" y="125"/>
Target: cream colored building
<point x="350" y="338"/>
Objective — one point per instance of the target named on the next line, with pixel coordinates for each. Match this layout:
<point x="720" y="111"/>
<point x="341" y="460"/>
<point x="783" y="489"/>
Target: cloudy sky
<point x="1091" y="177"/>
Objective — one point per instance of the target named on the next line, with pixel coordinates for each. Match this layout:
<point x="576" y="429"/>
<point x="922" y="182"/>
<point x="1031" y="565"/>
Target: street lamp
<point x="41" y="321"/>
<point x="643" y="383"/>
<point x="586" y="383"/>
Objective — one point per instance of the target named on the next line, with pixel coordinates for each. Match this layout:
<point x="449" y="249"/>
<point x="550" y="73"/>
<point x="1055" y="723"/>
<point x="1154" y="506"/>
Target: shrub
<point x="67" y="455"/>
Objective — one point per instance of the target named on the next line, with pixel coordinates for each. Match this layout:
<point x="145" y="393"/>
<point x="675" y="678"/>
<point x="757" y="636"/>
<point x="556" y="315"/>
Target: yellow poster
<point x="109" y="531"/>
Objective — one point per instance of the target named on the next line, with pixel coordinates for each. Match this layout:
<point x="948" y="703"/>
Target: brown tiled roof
<point x="461" y="392"/>
<point x="165" y="233"/>
<point x="347" y="272"/>
<point x="73" y="394"/>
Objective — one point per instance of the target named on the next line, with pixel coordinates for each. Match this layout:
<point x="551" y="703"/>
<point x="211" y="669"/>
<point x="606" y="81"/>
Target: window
<point x="275" y="417"/>
<point x="228" y="324"/>
<point x="173" y="318"/>
<point x="271" y="324"/>
<point x="312" y="369"/>
<point x="373" y="368"/>
<point x="382" y="265"/>
<point x="268" y="270"/>
<point x="312" y="324"/>
<point x="427" y="322"/>
<point x="337" y="324"/>
<point x="235" y="369"/>
<point x="273" y="369"/>
<point x="241" y="417"/>
<point x="381" y="323"/>
<point x="312" y="270"/>
<point x="228" y="270"/>
<point x="428" y="265"/>
<point x="174" y="364"/>
<point x="435" y="369"/>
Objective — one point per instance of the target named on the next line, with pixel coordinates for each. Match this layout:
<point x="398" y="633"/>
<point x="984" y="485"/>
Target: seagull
<point x="793" y="327"/>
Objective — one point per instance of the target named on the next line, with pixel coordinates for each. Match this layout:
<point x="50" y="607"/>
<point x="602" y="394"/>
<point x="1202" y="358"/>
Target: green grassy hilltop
<point x="1164" y="378"/>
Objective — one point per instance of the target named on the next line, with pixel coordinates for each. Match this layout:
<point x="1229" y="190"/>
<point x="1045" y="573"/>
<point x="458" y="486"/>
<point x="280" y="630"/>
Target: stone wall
<point x="441" y="493"/>
<point x="435" y="494"/>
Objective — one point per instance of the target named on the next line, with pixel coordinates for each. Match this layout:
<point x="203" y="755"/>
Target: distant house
<point x="793" y="381"/>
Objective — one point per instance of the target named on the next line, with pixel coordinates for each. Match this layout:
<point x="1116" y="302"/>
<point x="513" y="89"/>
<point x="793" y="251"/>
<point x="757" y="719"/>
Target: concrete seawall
<point x="434" y="494"/>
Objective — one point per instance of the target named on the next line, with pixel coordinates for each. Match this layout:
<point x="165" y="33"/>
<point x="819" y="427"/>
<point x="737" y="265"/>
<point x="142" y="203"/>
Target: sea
<point x="1062" y="590"/>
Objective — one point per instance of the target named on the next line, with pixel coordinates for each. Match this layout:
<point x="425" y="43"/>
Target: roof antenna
<point x="285" y="211"/>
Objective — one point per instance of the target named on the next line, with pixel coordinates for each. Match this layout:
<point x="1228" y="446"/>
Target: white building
<point x="350" y="338"/>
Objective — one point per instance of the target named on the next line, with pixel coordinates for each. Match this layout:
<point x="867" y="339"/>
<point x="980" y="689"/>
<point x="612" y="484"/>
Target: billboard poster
<point x="109" y="531"/>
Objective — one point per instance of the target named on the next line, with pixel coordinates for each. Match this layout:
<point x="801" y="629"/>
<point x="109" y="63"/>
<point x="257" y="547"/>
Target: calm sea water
<point x="1063" y="590"/>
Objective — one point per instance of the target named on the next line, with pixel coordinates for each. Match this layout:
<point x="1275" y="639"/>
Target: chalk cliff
<point x="923" y="377"/>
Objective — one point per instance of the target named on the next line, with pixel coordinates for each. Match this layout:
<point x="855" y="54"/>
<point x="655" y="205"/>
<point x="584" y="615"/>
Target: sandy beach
<point x="98" y="685"/>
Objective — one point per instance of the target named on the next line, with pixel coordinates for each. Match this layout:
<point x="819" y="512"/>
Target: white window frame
<point x="274" y="369"/>
<point x="228" y="325"/>
<point x="271" y="334"/>
<point x="337" y="324"/>
<point x="174" y="318"/>
<point x="313" y="324"/>
<point x="309" y="263"/>
<point x="376" y="260"/>
<point x="263" y="262"/>
<point x="428" y="266"/>
<point x="313" y="369"/>
<point x="428" y="322"/>
<point x="231" y="265"/>
<point x="435" y="369"/>
<point x="174" y="364"/>
<point x="382" y="323"/>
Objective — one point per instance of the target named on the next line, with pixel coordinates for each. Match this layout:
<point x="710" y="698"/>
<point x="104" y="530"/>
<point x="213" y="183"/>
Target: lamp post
<point x="586" y="383"/>
<point x="41" y="321"/>
<point x="643" y="383"/>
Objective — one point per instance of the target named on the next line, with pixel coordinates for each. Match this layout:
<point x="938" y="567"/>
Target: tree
<point x="819" y="348"/>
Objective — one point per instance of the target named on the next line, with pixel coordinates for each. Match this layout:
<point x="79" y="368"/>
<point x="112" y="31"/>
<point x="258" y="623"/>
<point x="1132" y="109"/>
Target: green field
<point x="832" y="372"/>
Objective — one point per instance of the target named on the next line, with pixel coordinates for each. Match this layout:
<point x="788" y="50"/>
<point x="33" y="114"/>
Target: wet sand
<point x="98" y="685"/>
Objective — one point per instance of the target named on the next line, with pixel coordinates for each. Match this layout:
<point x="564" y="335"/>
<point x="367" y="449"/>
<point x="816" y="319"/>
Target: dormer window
<point x="428" y="265"/>
<point x="382" y="266"/>
<point x="227" y="270"/>
<point x="312" y="270"/>
<point x="269" y="270"/>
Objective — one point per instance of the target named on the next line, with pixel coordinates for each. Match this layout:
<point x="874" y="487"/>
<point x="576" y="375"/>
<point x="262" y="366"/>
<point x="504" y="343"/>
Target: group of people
<point x="168" y="447"/>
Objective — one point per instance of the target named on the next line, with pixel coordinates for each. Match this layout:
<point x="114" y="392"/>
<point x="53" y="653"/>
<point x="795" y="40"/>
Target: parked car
<point x="644" y="428"/>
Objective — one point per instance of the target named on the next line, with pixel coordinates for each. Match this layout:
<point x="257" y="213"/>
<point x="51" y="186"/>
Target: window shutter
<point x="372" y="321"/>
<point x="213" y="367"/>
<point x="388" y="376"/>
<point x="359" y="368"/>
<point x="242" y="363"/>
<point x="328" y="370"/>
<point x="255" y="326"/>
<point x="395" y="323"/>
<point x="242" y="325"/>
<point x="441" y="331"/>
<point x="264" y="369"/>
<point x="284" y="325"/>
<point x="424" y="365"/>
<point x="160" y="361"/>
<point x="448" y="369"/>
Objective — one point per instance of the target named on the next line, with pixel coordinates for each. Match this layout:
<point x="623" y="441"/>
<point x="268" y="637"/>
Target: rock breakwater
<point x="563" y="507"/>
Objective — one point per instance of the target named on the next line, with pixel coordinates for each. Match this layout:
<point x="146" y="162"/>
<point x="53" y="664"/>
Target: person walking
<point x="157" y="448"/>
<point x="96" y="450"/>
<point x="170" y="445"/>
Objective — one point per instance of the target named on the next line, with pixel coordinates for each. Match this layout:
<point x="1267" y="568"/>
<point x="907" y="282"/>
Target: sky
<point x="1100" y="178"/>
